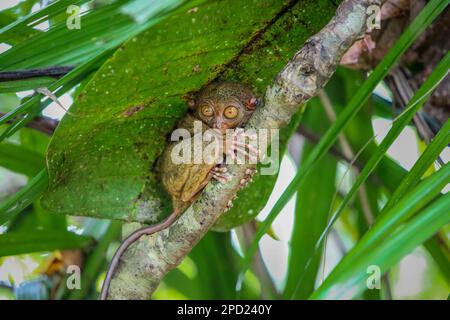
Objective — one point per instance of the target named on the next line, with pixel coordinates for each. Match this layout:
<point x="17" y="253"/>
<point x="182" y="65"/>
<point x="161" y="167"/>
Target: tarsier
<point x="220" y="106"/>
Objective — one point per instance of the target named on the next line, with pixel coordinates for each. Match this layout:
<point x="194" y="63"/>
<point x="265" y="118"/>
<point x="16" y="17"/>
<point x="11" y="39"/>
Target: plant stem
<point x="34" y="73"/>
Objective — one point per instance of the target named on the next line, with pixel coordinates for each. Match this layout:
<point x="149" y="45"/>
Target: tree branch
<point x="149" y="259"/>
<point x="312" y="137"/>
<point x="246" y="234"/>
<point x="33" y="73"/>
<point x="43" y="124"/>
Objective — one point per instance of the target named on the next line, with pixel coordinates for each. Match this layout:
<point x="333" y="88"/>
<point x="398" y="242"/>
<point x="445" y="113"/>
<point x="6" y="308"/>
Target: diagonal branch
<point x="56" y="72"/>
<point x="150" y="258"/>
<point x="43" y="124"/>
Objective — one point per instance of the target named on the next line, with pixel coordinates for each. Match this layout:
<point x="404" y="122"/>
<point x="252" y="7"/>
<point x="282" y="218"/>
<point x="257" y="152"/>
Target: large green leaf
<point x="100" y="160"/>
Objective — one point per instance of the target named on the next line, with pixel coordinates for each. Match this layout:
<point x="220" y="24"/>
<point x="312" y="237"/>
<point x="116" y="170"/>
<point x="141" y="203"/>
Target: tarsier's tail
<point x="132" y="238"/>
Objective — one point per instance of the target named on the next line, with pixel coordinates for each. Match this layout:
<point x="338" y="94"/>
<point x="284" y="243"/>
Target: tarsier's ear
<point x="252" y="103"/>
<point x="190" y="99"/>
<point x="191" y="104"/>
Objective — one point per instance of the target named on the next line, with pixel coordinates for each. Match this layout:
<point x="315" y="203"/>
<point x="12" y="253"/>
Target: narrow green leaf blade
<point x="20" y="200"/>
<point x="21" y="160"/>
<point x="429" y="156"/>
<point x="27" y="84"/>
<point x="388" y="252"/>
<point x="388" y="222"/>
<point x="14" y="243"/>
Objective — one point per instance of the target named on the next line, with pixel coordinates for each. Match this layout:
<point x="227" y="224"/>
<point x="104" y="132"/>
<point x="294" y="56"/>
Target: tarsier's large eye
<point x="230" y="112"/>
<point x="207" y="111"/>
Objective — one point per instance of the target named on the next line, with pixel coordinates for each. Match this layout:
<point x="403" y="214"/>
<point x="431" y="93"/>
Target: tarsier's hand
<point x="220" y="174"/>
<point x="238" y="147"/>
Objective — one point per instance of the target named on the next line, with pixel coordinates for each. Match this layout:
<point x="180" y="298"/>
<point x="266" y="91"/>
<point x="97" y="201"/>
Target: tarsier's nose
<point x="220" y="125"/>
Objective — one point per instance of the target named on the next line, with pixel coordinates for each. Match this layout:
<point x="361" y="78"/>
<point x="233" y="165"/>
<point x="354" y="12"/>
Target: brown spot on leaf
<point x="193" y="10"/>
<point x="196" y="68"/>
<point x="132" y="110"/>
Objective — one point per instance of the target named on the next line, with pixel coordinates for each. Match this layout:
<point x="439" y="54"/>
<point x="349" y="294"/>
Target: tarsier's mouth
<point x="221" y="131"/>
<point x="222" y="127"/>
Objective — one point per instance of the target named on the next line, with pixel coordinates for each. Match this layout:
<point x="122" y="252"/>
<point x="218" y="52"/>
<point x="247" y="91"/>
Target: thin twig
<point x="348" y="152"/>
<point x="43" y="124"/>
<point x="247" y="234"/>
<point x="314" y="138"/>
<point x="34" y="73"/>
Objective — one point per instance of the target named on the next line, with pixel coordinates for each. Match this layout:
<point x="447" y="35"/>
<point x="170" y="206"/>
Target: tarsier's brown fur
<point x="219" y="106"/>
